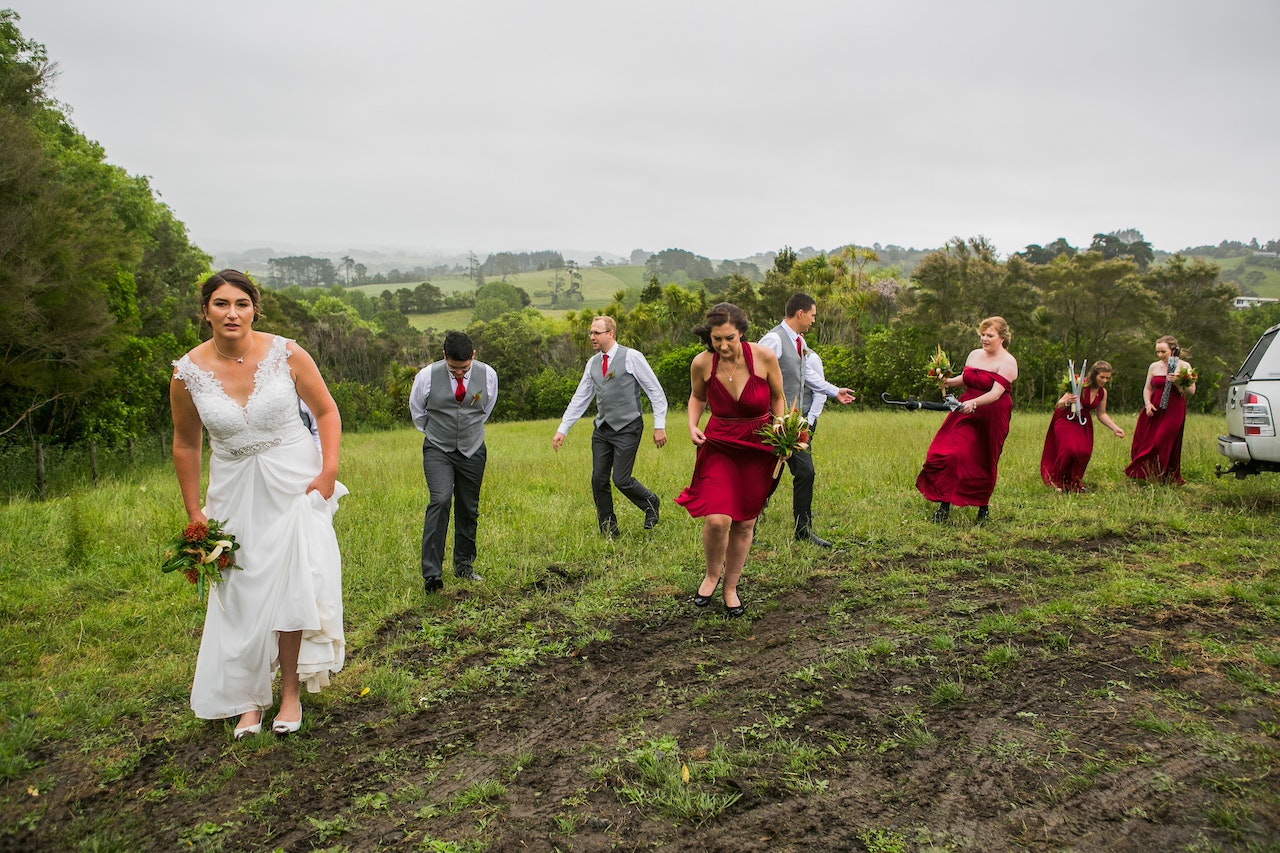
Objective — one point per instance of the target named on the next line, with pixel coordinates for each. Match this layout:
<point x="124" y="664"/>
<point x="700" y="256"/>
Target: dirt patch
<point x="805" y="727"/>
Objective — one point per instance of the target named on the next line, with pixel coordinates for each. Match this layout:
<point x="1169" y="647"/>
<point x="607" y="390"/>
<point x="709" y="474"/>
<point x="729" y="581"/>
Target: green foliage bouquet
<point x="1186" y="375"/>
<point x="1067" y="383"/>
<point x="201" y="552"/>
<point x="785" y="434"/>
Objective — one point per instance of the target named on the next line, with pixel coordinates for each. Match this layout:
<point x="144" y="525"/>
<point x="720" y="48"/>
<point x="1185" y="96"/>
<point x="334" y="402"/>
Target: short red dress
<point x="1157" y="439"/>
<point x="1068" y="444"/>
<point x="733" y="473"/>
<point x="961" y="465"/>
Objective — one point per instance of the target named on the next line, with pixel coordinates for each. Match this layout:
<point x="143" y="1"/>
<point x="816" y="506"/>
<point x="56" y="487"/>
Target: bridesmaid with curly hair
<point x="962" y="462"/>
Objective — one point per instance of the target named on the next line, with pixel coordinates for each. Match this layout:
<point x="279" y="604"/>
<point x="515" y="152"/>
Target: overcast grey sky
<point x="725" y="128"/>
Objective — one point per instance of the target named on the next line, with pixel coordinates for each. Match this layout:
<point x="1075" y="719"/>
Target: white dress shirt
<point x="638" y="367"/>
<point x="813" y="375"/>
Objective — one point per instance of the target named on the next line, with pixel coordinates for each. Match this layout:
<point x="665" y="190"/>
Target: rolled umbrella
<point x="948" y="404"/>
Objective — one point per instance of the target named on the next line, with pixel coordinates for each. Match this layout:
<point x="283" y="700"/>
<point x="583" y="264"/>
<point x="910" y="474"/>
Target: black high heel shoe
<point x="704" y="600"/>
<point x="735" y="612"/>
<point x="940" y="515"/>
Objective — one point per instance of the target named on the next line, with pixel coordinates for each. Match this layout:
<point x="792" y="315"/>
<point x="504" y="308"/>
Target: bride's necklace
<point x="731" y="372"/>
<point x="239" y="360"/>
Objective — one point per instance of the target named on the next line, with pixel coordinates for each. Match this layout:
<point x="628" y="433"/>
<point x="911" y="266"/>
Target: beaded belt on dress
<point x="256" y="447"/>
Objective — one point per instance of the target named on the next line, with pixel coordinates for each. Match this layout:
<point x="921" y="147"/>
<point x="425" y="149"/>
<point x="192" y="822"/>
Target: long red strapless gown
<point x="1068" y="444"/>
<point x="733" y="473"/>
<point x="961" y="465"/>
<point x="1157" y="439"/>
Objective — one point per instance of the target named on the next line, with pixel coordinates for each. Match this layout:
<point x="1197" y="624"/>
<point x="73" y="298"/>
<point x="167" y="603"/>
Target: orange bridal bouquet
<point x="201" y="552"/>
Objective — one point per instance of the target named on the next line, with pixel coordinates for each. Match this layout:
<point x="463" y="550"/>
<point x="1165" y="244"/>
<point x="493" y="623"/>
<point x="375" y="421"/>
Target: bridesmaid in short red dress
<point x="1068" y="444"/>
<point x="961" y="465"/>
<point x="733" y="475"/>
<point x="1157" y="438"/>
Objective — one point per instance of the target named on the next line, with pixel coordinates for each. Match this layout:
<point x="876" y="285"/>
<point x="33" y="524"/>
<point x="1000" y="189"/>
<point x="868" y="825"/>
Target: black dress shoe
<point x="430" y="585"/>
<point x="609" y="528"/>
<point x="813" y="539"/>
<point x="984" y="514"/>
<point x="940" y="515"/>
<point x="650" y="516"/>
<point x="468" y="575"/>
<point x="735" y="612"/>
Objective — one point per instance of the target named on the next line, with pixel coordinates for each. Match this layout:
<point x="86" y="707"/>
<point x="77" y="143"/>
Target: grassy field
<point x="442" y="320"/>
<point x="598" y="284"/>
<point x="598" y="288"/>
<point x="1269" y="285"/>
<point x="1127" y="639"/>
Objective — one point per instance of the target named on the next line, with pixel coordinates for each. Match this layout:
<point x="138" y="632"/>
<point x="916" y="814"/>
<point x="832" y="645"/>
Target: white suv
<point x="1253" y="401"/>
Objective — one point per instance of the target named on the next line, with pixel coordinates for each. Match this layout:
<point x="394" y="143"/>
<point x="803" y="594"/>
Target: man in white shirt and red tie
<point x="615" y="377"/>
<point x="450" y="402"/>
<point x="799" y="379"/>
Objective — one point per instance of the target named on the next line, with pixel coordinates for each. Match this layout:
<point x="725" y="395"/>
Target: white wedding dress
<point x="290" y="576"/>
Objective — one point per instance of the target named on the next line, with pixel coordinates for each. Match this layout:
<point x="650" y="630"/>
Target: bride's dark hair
<point x="235" y="278"/>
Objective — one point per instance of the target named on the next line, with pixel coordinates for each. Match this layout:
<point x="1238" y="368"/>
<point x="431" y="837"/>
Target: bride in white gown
<point x="276" y="493"/>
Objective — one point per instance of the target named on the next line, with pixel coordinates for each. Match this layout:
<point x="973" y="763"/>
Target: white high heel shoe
<point x="253" y="729"/>
<point x="287" y="727"/>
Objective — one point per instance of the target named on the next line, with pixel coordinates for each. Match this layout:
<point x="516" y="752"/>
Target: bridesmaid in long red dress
<point x="1157" y="438"/>
<point x="1069" y="442"/>
<point x="733" y="474"/>
<point x="961" y="465"/>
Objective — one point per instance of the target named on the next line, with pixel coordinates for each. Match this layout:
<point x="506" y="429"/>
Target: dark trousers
<point x="452" y="479"/>
<point x="802" y="474"/>
<point x="613" y="451"/>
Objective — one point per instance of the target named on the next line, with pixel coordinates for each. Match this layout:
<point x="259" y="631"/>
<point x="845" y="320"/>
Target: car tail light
<point x="1257" y="416"/>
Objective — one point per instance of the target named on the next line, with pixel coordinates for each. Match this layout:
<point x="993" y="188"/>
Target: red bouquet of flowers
<point x="201" y="552"/>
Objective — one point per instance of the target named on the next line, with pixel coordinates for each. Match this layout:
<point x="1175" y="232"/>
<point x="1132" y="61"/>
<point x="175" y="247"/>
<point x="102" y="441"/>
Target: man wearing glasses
<point x="450" y="402"/>
<point x="615" y="376"/>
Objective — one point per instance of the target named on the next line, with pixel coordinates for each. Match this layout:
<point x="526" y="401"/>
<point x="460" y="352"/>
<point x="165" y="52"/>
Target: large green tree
<point x="961" y="284"/>
<point x="1195" y="306"/>
<point x="1093" y="306"/>
<point x="93" y="271"/>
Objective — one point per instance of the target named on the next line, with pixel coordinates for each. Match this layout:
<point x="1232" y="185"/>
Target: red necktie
<point x="604" y="365"/>
<point x="460" y="391"/>
<point x="800" y="346"/>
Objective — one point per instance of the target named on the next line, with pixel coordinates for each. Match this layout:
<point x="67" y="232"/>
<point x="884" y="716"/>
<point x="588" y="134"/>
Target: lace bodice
<point x="270" y="415"/>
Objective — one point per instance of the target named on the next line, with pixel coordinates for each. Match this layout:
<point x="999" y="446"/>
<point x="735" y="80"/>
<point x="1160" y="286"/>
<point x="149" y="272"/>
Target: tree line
<point x="875" y="330"/>
<point x="100" y="294"/>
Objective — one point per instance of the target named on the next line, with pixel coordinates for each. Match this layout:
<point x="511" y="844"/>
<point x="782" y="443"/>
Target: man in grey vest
<point x="615" y="376"/>
<point x="799" y="381"/>
<point x="450" y="402"/>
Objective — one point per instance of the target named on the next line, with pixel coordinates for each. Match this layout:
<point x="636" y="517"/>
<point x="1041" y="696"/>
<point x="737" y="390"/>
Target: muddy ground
<point x="820" y="722"/>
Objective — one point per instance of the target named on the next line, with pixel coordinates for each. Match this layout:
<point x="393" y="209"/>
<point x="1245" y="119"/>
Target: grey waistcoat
<point x="793" y="387"/>
<point x="452" y="425"/>
<point x="617" y="398"/>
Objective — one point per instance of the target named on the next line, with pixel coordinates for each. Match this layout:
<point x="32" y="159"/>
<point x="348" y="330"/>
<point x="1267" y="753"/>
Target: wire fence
<point x="38" y="471"/>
